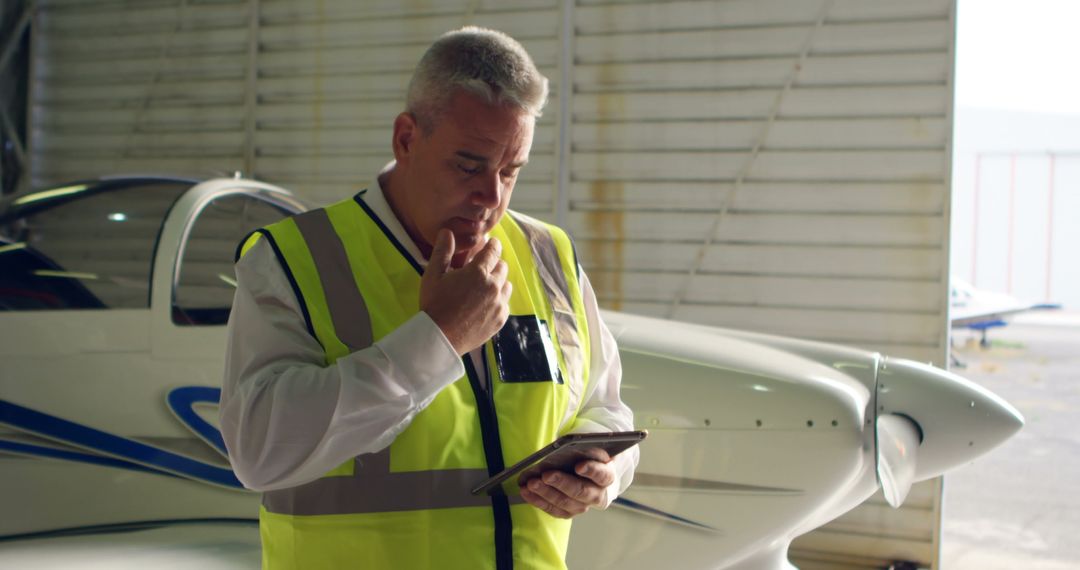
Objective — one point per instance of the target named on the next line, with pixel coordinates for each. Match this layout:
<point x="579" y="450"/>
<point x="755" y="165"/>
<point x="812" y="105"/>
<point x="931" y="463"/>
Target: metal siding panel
<point x="911" y="522"/>
<point x="917" y="521"/>
<point x="309" y="111"/>
<point x="118" y="118"/>
<point x="773" y="197"/>
<point x="317" y="60"/>
<point x="761" y="42"/>
<point x="106" y="19"/>
<point x="898" y="165"/>
<point x="332" y="79"/>
<point x="528" y="196"/>
<point x="855" y="102"/>
<point x="331" y="82"/>
<point x="328" y="82"/>
<point x="176" y="93"/>
<point x="338" y="139"/>
<point x="74" y="141"/>
<point x="911" y="297"/>
<point x="335" y="165"/>
<point x="846" y="262"/>
<point x="59" y="168"/>
<point x="654" y="16"/>
<point x="918" y="68"/>
<point x="831" y="229"/>
<point x="888" y="547"/>
<point x="136" y="42"/>
<point x="361" y="32"/>
<point x="865" y="10"/>
<point x="736" y="164"/>
<point x="147" y="88"/>
<point x="853" y="327"/>
<point x="323" y="192"/>
<point x="896" y="133"/>
<point x="111" y="94"/>
<point x="140" y="68"/>
<point x="296" y="11"/>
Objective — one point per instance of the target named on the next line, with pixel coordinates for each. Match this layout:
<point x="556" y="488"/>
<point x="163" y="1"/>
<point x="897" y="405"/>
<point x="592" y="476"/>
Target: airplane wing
<point x="987" y="316"/>
<point x="981" y="309"/>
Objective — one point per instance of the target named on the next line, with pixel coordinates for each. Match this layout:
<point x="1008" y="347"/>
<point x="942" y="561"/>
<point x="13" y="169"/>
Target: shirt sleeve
<point x="288" y="418"/>
<point x="602" y="407"/>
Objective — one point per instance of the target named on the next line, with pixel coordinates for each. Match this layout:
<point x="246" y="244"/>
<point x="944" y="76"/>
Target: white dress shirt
<point x="287" y="418"/>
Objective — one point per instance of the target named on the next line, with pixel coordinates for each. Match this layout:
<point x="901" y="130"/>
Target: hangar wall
<point x="773" y="165"/>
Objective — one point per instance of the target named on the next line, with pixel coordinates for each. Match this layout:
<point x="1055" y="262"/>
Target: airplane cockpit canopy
<point x="85" y="245"/>
<point x="92" y="244"/>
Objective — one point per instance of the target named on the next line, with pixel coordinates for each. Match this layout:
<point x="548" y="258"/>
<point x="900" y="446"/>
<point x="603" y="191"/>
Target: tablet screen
<point x="564" y="454"/>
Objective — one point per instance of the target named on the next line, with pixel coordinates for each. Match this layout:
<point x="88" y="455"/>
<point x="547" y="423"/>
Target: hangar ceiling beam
<point x="16" y="34"/>
<point x="13" y="136"/>
<point x="9" y="49"/>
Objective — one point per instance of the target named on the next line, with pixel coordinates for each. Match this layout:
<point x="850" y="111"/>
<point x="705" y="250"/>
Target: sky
<point x="1016" y="142"/>
<point x="1019" y="55"/>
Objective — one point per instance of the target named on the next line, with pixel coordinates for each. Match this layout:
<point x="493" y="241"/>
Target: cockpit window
<point x="88" y="247"/>
<point x="204" y="291"/>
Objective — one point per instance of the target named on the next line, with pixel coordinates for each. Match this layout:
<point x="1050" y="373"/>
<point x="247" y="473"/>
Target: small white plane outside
<point x="112" y="363"/>
<point x="981" y="310"/>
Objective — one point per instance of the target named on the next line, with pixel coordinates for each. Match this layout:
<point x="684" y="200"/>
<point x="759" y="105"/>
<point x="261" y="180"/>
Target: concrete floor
<point x="1018" y="508"/>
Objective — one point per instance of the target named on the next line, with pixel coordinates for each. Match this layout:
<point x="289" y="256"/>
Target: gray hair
<point x="483" y="62"/>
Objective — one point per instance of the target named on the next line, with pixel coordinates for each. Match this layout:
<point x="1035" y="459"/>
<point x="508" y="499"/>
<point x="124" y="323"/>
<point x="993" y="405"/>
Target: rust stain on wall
<point x="606" y="216"/>
<point x="606" y="249"/>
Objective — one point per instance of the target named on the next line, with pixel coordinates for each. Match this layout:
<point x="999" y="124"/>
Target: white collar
<point x="375" y="199"/>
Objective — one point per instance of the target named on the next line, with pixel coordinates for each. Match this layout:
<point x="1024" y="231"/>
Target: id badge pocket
<point x="524" y="351"/>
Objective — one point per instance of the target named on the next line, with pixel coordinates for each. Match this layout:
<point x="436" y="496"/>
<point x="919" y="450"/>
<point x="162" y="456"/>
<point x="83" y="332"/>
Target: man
<point x="389" y="352"/>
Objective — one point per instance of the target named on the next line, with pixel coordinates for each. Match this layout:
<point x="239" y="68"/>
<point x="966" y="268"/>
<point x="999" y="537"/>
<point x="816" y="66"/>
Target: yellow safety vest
<point x="409" y="506"/>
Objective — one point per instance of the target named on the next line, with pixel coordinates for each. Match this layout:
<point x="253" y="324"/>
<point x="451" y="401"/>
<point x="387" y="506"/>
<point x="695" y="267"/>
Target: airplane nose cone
<point x="958" y="419"/>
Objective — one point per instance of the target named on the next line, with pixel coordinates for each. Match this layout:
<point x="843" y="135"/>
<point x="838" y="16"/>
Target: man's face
<point x="460" y="175"/>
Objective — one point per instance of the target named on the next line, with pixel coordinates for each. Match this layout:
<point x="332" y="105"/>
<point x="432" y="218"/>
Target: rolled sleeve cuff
<point x="423" y="358"/>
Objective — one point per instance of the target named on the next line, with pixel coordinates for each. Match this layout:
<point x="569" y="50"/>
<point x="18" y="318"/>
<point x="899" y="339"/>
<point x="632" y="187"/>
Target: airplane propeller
<point x="898" y="439"/>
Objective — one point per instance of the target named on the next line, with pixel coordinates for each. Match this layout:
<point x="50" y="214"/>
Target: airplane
<point x="113" y="293"/>
<point x="981" y="310"/>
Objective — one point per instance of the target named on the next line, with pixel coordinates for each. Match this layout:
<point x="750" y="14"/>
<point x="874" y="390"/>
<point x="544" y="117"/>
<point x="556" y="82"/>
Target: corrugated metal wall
<point x="779" y="166"/>
<point x="165" y="87"/>
<point x="773" y="165"/>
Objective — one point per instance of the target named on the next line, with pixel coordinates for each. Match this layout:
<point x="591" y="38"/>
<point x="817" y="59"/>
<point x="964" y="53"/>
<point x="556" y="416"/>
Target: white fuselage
<point x="754" y="439"/>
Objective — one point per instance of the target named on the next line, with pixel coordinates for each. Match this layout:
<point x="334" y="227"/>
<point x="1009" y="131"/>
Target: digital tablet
<point x="564" y="454"/>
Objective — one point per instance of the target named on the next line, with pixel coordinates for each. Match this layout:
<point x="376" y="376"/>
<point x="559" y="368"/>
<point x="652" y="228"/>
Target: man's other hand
<point x="566" y="495"/>
<point x="469" y="304"/>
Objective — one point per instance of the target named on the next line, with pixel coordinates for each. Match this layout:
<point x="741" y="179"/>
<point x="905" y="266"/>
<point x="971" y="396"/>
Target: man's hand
<point x="469" y="304"/>
<point x="564" y="495"/>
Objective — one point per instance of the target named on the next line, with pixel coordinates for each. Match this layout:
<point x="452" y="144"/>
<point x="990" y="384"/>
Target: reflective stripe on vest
<point x="381" y="490"/>
<point x="347" y="308"/>
<point x="553" y="270"/>
<point x="361" y="284"/>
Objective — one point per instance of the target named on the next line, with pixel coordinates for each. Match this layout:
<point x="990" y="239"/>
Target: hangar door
<point x="773" y="165"/>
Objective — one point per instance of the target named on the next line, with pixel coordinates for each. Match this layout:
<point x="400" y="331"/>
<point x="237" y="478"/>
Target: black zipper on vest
<point x="489" y="429"/>
<point x="489" y="423"/>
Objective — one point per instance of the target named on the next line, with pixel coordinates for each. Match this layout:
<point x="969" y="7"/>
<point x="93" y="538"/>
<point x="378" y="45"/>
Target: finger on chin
<point x="489" y="254"/>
